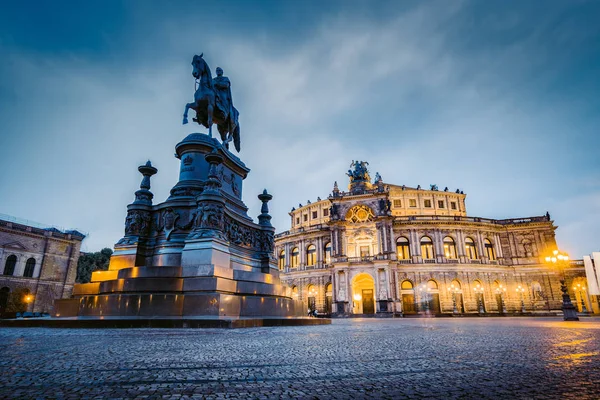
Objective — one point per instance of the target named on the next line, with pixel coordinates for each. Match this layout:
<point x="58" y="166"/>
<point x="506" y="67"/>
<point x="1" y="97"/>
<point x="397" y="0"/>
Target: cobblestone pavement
<point x="442" y="358"/>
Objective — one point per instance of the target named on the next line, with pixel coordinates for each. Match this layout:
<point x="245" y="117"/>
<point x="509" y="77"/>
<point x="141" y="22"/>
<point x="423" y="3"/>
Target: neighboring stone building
<point x="41" y="261"/>
<point x="382" y="248"/>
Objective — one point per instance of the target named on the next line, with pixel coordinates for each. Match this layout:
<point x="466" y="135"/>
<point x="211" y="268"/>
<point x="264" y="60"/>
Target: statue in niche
<point x="169" y="220"/>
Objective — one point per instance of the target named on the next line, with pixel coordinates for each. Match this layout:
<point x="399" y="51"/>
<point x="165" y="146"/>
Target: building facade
<point x="40" y="262"/>
<point x="380" y="248"/>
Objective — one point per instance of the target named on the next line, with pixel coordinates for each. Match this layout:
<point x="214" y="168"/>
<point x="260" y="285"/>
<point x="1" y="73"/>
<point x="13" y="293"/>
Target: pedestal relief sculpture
<point x="198" y="256"/>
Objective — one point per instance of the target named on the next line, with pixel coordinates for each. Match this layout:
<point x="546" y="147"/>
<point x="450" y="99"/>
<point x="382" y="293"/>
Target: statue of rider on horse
<point x="213" y="103"/>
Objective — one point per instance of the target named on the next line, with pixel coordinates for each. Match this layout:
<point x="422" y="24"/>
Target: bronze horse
<point x="205" y="106"/>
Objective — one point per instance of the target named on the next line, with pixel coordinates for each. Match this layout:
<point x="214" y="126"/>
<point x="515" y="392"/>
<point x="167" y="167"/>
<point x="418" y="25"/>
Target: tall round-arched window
<point x="432" y="285"/>
<point x="427" y="248"/>
<point x="295" y="293"/>
<point x="470" y="249"/>
<point x="295" y="259"/>
<point x="328" y="253"/>
<point x="9" y="266"/>
<point x="449" y="248"/>
<point x="29" y="268"/>
<point x="281" y="260"/>
<point x="402" y="248"/>
<point x="489" y="250"/>
<point x="311" y="255"/>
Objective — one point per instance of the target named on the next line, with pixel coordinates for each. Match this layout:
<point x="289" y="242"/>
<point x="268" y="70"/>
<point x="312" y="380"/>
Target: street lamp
<point x="559" y="259"/>
<point x="479" y="291"/>
<point x="581" y="290"/>
<point x="28" y="299"/>
<point x="501" y="291"/>
<point x="453" y="289"/>
<point x="521" y="290"/>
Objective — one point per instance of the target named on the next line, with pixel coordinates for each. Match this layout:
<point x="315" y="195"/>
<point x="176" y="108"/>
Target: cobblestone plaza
<point x="352" y="358"/>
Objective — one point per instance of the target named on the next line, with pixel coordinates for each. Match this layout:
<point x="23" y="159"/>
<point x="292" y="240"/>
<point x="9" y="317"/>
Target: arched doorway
<point x="4" y="293"/>
<point x="363" y="294"/>
<point x="429" y="296"/>
<point x="328" y="298"/>
<point x="408" y="297"/>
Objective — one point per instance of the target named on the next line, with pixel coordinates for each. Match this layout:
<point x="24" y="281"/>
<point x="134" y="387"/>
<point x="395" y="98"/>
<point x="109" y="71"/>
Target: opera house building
<point x="385" y="250"/>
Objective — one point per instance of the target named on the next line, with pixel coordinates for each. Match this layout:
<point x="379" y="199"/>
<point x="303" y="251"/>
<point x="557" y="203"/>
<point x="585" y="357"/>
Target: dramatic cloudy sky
<point x="497" y="98"/>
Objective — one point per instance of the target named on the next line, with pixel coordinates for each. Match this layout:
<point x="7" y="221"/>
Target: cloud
<point x="400" y="92"/>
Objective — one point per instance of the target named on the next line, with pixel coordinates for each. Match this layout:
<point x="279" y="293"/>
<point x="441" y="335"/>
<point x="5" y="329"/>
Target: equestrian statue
<point x="213" y="103"/>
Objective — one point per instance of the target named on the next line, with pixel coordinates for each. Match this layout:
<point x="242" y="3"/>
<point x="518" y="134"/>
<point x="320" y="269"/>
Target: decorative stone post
<point x="264" y="218"/>
<point x="207" y="245"/>
<point x="144" y="196"/>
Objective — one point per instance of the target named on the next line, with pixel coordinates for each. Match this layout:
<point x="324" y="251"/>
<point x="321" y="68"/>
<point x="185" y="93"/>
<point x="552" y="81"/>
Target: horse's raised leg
<point x="185" y="113"/>
<point x="209" y="111"/>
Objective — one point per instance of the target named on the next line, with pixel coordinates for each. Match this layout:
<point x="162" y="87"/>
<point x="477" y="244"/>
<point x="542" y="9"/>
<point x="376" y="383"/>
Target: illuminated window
<point x="360" y="213"/>
<point x="326" y="212"/>
<point x="397" y="203"/>
<point x="402" y="248"/>
<point x="412" y="202"/>
<point x="453" y="205"/>
<point x="449" y="248"/>
<point x="427" y="203"/>
<point x="364" y="251"/>
<point x="470" y="249"/>
<point x="314" y="215"/>
<point x="440" y="203"/>
<point x="311" y="255"/>
<point x="427" y="248"/>
<point x="9" y="266"/>
<point x="489" y="250"/>
<point x="328" y="253"/>
<point x="281" y="260"/>
<point x="295" y="293"/>
<point x="29" y="268"/>
<point x="295" y="259"/>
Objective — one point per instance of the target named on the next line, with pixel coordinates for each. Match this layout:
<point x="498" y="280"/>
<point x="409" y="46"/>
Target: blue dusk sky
<point x="497" y="98"/>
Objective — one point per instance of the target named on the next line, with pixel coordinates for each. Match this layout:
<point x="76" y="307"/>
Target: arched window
<point x="29" y="268"/>
<point x="9" y="267"/>
<point x="311" y="255"/>
<point x="427" y="248"/>
<point x="449" y="248"/>
<point x="402" y="248"/>
<point x="281" y="260"/>
<point x="295" y="293"/>
<point x="328" y="253"/>
<point x="470" y="249"/>
<point x="295" y="259"/>
<point x="489" y="250"/>
<point x="432" y="285"/>
<point x="455" y="285"/>
<point x="406" y="285"/>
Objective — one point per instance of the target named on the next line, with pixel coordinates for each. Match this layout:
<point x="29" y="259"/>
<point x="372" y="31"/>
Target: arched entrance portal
<point x="363" y="294"/>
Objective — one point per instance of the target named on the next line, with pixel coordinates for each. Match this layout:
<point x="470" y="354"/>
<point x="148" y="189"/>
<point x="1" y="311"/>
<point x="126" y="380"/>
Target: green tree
<point x="90" y="262"/>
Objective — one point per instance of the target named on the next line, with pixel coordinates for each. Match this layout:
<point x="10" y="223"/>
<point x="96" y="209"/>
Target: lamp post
<point x="28" y="299"/>
<point x="521" y="290"/>
<point x="559" y="259"/>
<point x="453" y="289"/>
<point x="581" y="290"/>
<point x="501" y="291"/>
<point x="479" y="291"/>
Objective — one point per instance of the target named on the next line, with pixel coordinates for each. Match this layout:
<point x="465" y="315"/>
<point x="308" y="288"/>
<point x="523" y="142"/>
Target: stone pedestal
<point x="196" y="255"/>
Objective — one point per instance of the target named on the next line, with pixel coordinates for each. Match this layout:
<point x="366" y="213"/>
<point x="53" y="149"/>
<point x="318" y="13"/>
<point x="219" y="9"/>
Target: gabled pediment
<point x="14" y="245"/>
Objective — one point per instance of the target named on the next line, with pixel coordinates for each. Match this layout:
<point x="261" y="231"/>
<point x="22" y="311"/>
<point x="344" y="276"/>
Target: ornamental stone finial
<point x="264" y="218"/>
<point x="144" y="196"/>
